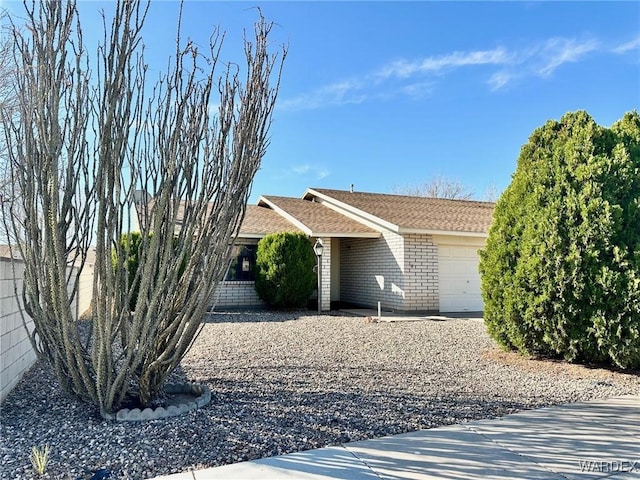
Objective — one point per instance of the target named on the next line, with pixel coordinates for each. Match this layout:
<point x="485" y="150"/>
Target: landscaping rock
<point x="285" y="382"/>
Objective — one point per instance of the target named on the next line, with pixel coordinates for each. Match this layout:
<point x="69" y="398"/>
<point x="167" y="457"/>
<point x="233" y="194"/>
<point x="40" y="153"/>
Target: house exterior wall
<point x="372" y="271"/>
<point x="326" y="273"/>
<point x="237" y="294"/>
<point x="400" y="271"/>
<point x="421" y="273"/>
<point x="335" y="269"/>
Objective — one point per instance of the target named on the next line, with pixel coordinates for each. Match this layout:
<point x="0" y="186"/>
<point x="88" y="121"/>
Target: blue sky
<point x="387" y="94"/>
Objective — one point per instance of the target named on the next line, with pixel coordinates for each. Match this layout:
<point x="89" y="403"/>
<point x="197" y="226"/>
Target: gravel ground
<point x="295" y="381"/>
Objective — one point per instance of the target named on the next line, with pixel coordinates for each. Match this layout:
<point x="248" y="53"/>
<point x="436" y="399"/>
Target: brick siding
<point x="372" y="271"/>
<point x="237" y="294"/>
<point x="16" y="353"/>
<point x="399" y="271"/>
<point x="326" y="274"/>
<point x="421" y="273"/>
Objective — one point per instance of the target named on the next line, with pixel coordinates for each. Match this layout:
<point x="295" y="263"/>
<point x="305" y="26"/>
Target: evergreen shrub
<point x="285" y="277"/>
<point x="561" y="267"/>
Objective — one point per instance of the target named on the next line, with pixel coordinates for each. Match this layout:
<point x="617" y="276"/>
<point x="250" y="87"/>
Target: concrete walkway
<point x="596" y="439"/>
<point x="386" y="316"/>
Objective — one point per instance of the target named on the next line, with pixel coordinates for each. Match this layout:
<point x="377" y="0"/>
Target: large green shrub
<point x="285" y="277"/>
<point x="561" y="268"/>
<point x="130" y="244"/>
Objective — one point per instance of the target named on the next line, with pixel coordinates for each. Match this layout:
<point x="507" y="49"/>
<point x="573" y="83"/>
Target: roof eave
<point x="346" y="234"/>
<point x="424" y="231"/>
<point x="251" y="235"/>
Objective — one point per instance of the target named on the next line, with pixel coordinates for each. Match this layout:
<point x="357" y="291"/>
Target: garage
<point x="459" y="279"/>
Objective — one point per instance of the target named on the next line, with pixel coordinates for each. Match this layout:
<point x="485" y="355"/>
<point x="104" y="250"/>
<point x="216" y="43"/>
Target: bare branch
<point x="83" y="143"/>
<point x="438" y="187"/>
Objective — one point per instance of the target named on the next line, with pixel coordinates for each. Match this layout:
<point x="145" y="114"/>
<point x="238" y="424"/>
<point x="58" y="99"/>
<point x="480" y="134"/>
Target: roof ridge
<point x="396" y="195"/>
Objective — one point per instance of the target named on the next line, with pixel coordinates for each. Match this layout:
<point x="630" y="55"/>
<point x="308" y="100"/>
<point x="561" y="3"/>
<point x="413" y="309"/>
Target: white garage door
<point x="459" y="279"/>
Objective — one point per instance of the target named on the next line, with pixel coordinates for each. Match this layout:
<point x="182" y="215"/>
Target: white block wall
<point x="237" y="294"/>
<point x="326" y="274"/>
<point x="16" y="354"/>
<point x="421" y="273"/>
<point x="372" y="270"/>
<point x="401" y="272"/>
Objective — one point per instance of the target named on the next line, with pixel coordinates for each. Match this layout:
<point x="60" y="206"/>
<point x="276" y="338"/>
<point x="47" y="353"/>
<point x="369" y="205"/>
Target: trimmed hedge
<point x="561" y="268"/>
<point x="284" y="276"/>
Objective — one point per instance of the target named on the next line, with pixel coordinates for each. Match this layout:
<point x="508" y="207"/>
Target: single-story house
<point x="409" y="253"/>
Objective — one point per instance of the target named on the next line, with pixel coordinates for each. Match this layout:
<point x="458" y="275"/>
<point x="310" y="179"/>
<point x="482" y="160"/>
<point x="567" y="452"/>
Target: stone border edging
<point x="203" y="397"/>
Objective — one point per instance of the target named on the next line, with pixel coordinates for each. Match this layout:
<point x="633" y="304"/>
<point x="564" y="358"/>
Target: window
<point x="243" y="265"/>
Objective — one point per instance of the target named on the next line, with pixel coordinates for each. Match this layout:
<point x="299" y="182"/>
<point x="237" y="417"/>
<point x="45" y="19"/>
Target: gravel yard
<point x="283" y="382"/>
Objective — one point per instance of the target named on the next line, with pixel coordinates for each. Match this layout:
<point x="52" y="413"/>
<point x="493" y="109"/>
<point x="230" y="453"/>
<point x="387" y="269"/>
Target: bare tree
<point x="7" y="77"/>
<point x="491" y="193"/>
<point x="7" y="104"/>
<point x="438" y="187"/>
<point x="80" y="147"/>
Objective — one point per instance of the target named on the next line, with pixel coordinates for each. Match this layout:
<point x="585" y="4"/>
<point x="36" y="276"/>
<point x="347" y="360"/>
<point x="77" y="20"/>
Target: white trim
<point x="313" y="233"/>
<point x="460" y="240"/>
<point x="352" y="212"/>
<point x="251" y="235"/>
<point x="347" y="234"/>
<point x="376" y="222"/>
<point x="452" y="233"/>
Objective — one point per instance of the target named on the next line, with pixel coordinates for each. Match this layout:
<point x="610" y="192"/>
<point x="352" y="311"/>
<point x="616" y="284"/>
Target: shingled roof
<point x="259" y="221"/>
<point x="317" y="220"/>
<point x="407" y="214"/>
<point x="340" y="213"/>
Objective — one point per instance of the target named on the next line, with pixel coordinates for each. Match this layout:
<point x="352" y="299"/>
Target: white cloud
<point x="417" y="79"/>
<point x="317" y="173"/>
<point x="541" y="60"/>
<point x="339" y="93"/>
<point x="322" y="173"/>
<point x="558" y="51"/>
<point x="628" y="46"/>
<point x="405" y="69"/>
<point x="418" y="91"/>
<point x="500" y="79"/>
<point x="301" y="169"/>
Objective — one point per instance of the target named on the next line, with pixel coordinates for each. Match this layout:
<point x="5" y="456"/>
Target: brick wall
<point x="326" y="274"/>
<point x="16" y="354"/>
<point x="399" y="271"/>
<point x="236" y="294"/>
<point x="372" y="271"/>
<point x="421" y="269"/>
